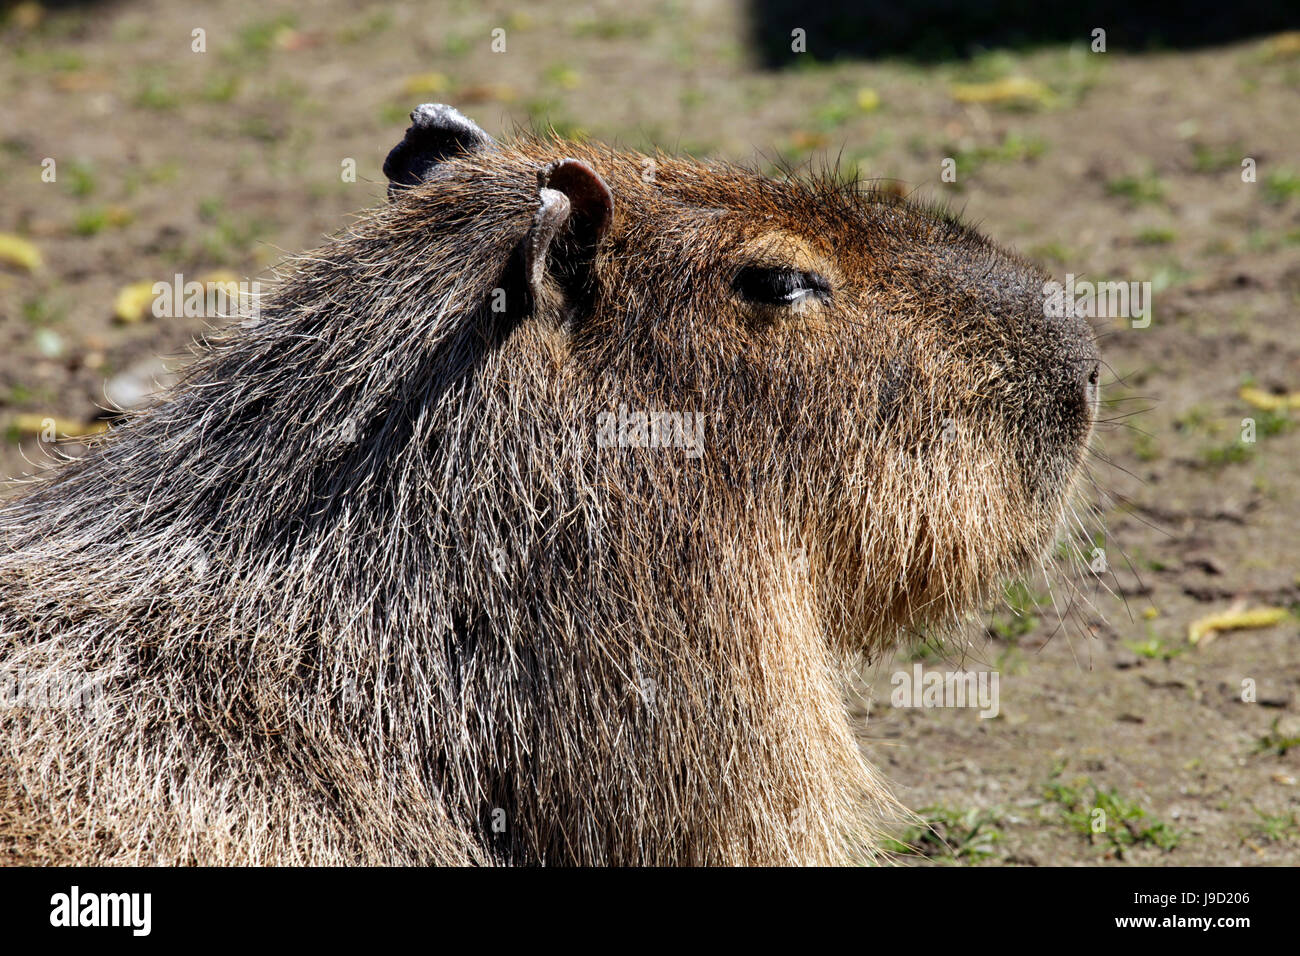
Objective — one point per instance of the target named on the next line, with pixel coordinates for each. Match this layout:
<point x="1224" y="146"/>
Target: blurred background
<point x="133" y="148"/>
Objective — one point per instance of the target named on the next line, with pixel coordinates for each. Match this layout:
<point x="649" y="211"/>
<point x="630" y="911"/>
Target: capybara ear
<point x="575" y="201"/>
<point x="437" y="133"/>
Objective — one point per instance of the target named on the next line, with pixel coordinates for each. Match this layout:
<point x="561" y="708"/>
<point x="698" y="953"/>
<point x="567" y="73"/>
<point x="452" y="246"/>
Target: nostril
<point x="1093" y="376"/>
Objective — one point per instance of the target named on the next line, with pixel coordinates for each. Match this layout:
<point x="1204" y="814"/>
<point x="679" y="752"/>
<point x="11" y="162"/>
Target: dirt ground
<point x="1122" y="165"/>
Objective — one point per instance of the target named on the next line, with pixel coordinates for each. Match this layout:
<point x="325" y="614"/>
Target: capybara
<point x="539" y="519"/>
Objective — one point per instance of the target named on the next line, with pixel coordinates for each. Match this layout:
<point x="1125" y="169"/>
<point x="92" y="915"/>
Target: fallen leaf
<point x="1205" y="629"/>
<point x="1008" y="89"/>
<point x="134" y="302"/>
<point x="17" y="251"/>
<point x="1267" y="401"/>
<point x="868" y="100"/>
<point x="35" y="424"/>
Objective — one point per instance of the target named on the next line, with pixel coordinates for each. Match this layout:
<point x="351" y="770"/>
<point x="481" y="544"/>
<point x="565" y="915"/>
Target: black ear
<point x="437" y="133"/>
<point x="577" y="206"/>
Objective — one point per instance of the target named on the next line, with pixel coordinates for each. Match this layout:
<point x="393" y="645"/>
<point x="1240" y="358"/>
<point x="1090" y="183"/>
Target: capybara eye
<point x="779" y="286"/>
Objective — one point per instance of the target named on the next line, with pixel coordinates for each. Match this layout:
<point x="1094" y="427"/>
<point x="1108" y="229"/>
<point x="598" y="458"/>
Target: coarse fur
<point x="367" y="588"/>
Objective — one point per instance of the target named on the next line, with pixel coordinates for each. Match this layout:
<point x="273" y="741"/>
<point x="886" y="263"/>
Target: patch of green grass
<point x="457" y="45"/>
<point x="833" y="113"/>
<point x="697" y="148"/>
<point x="16" y="394"/>
<point x="1145" y="446"/>
<point x="1282" y="185"/>
<point x="1156" y="648"/>
<point x="221" y="88"/>
<point x="91" y="221"/>
<point x="260" y="127"/>
<point x="948" y="834"/>
<point x="1070" y="549"/>
<point x="692" y="98"/>
<point x="1019" y="619"/>
<point x="392" y="114"/>
<point x="1167" y="276"/>
<point x="167" y="172"/>
<point x="1195" y="418"/>
<point x="1054" y="252"/>
<point x="1275" y="741"/>
<point x="1013" y="148"/>
<point x="923" y="649"/>
<point x="41" y="310"/>
<point x="1104" y="817"/>
<point x="1277" y="828"/>
<point x="229" y="238"/>
<point x="1011" y="662"/>
<point x="153" y="92"/>
<point x="1269" y="422"/>
<point x="79" y="179"/>
<point x="1233" y="453"/>
<point x="545" y="113"/>
<point x="257" y="38"/>
<point x="1156" y="236"/>
<point x="1216" y="159"/>
<point x="371" y="25"/>
<point x="563" y="75"/>
<point x="1138" y="190"/>
<point x="42" y="59"/>
<point x="1260" y="240"/>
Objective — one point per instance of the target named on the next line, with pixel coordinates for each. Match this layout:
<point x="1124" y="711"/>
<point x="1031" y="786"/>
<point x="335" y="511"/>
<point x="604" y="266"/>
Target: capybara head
<point x="541" y="519"/>
<point x="885" y="374"/>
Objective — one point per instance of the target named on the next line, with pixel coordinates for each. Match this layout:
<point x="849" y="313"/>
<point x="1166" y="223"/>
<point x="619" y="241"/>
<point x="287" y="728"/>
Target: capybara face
<point x="883" y="372"/>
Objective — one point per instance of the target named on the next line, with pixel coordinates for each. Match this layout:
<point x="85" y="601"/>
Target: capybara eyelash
<point x="769" y="285"/>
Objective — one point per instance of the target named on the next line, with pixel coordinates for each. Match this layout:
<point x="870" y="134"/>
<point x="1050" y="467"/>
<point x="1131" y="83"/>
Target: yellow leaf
<point x="1267" y="401"/>
<point x="1206" y="629"/>
<point x="134" y="302"/>
<point x="868" y="100"/>
<point x="32" y="423"/>
<point x="1008" y="89"/>
<point x="17" y="251"/>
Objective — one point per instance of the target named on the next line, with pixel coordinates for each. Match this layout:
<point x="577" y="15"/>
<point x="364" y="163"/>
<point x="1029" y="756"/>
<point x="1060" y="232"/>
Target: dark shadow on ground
<point x="934" y="30"/>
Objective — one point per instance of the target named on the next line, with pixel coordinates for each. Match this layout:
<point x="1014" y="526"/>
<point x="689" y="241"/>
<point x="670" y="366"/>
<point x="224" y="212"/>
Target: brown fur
<point x="367" y="644"/>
